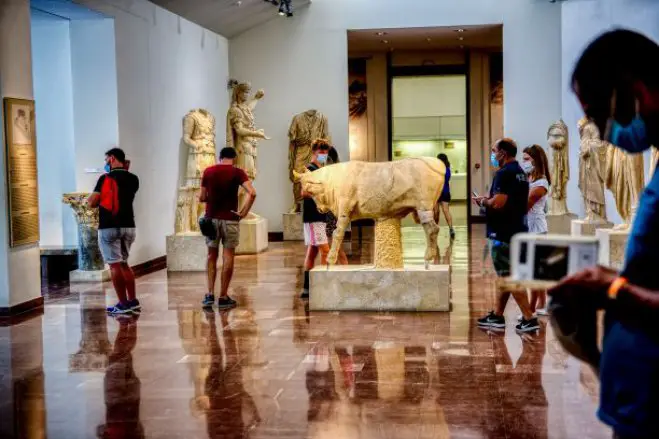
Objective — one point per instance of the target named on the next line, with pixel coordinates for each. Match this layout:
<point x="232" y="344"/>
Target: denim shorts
<point x="227" y="233"/>
<point x="115" y="244"/>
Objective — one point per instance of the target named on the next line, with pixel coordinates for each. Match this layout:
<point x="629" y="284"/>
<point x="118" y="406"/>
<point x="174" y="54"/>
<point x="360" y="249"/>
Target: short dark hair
<point x="595" y="76"/>
<point x="228" y="153"/>
<point x="333" y="155"/>
<point x="444" y="158"/>
<point x="117" y="153"/>
<point x="508" y="146"/>
<point x="321" y="144"/>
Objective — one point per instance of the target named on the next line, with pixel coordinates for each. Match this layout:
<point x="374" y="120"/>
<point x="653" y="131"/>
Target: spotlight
<point x="286" y="8"/>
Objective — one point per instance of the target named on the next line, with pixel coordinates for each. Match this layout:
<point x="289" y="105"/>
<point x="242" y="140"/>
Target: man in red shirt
<point x="219" y="190"/>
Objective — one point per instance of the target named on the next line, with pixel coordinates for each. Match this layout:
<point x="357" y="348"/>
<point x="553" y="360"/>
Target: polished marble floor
<point x="271" y="369"/>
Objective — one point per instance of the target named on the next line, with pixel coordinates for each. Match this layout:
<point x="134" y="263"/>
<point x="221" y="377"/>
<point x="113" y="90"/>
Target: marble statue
<point x="305" y="128"/>
<point x="624" y="177"/>
<point x="592" y="160"/>
<point x="241" y="131"/>
<point x="89" y="254"/>
<point x="382" y="191"/>
<point x="557" y="137"/>
<point x="199" y="138"/>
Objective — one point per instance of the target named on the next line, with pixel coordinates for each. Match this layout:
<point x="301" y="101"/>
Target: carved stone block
<point x="293" y="227"/>
<point x="613" y="244"/>
<point x="587" y="228"/>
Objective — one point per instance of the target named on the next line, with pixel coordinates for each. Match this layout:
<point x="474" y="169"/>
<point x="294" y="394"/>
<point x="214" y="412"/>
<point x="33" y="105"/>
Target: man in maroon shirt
<point x="219" y="190"/>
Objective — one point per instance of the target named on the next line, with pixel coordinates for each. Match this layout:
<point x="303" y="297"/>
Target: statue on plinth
<point x="89" y="254"/>
<point x="242" y="133"/>
<point x="592" y="161"/>
<point x="199" y="137"/>
<point x="557" y="137"/>
<point x="385" y="192"/>
<point x="305" y="128"/>
<point x="624" y="177"/>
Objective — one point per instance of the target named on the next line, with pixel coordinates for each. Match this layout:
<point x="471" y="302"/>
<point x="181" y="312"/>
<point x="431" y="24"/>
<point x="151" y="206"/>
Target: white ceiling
<point x="226" y="17"/>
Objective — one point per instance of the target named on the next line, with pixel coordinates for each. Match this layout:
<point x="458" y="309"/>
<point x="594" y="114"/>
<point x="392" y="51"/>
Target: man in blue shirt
<point x="505" y="211"/>
<point x="617" y="82"/>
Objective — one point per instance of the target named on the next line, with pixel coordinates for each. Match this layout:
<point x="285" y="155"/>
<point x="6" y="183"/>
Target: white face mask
<point x="527" y="166"/>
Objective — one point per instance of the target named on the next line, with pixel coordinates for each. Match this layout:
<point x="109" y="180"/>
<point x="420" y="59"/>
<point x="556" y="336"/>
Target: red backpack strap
<point x="110" y="195"/>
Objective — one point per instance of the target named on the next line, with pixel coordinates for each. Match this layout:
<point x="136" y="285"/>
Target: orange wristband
<point x="615" y="287"/>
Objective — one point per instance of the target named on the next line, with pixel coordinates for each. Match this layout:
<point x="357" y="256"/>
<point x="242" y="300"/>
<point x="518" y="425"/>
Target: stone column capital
<point x="84" y="214"/>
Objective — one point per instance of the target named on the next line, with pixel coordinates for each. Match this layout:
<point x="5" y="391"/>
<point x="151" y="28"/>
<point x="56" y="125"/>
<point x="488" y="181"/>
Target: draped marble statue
<point x="241" y="131"/>
<point x="557" y="137"/>
<point x="305" y="128"/>
<point x="624" y="177"/>
<point x="199" y="138"/>
<point x="592" y="162"/>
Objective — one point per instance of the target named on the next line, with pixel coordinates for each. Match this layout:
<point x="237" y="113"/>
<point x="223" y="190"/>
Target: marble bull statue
<point x="363" y="190"/>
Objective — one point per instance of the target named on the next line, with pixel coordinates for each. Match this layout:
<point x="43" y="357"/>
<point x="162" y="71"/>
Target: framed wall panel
<point x="21" y="171"/>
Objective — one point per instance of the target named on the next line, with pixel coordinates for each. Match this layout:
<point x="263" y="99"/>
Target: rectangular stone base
<point x="186" y="252"/>
<point x="587" y="228"/>
<point x="89" y="276"/>
<point x="560" y="224"/>
<point x="613" y="244"/>
<point x="253" y="236"/>
<point x="365" y="288"/>
<point x="293" y="227"/>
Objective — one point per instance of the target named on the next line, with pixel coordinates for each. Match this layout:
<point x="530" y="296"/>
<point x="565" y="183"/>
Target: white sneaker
<point x="542" y="312"/>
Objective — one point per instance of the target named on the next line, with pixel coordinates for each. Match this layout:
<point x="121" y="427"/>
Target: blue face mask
<point x="322" y="158"/>
<point x="493" y="160"/>
<point x="107" y="168"/>
<point x="632" y="138"/>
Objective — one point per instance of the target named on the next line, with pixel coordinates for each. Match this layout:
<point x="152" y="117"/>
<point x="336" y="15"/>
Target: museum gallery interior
<point x="385" y="346"/>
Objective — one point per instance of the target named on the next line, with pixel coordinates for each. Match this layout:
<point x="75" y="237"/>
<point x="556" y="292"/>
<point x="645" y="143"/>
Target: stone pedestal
<point x="89" y="275"/>
<point x="253" y="236"/>
<point x="366" y="288"/>
<point x="293" y="227"/>
<point x="613" y="244"/>
<point x="587" y="228"/>
<point x="186" y="252"/>
<point x="560" y="224"/>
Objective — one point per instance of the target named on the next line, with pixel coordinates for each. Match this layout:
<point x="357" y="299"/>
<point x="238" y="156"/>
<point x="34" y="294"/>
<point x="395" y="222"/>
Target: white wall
<point x="53" y="94"/>
<point x="19" y="267"/>
<point x="166" y="66"/>
<point x="583" y="21"/>
<point x="302" y="63"/>
<point x="424" y="96"/>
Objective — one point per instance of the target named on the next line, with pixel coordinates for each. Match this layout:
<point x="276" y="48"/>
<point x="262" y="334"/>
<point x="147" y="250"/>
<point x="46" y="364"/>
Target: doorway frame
<point x="431" y="70"/>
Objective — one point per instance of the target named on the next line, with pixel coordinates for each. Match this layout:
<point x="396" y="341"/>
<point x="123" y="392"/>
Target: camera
<point x="546" y="259"/>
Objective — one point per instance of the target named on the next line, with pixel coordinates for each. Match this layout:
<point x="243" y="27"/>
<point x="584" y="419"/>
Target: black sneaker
<point x="208" y="301"/>
<point x="226" y="303"/>
<point x="304" y="294"/>
<point x="135" y="305"/>
<point x="492" y="320"/>
<point x="528" y="325"/>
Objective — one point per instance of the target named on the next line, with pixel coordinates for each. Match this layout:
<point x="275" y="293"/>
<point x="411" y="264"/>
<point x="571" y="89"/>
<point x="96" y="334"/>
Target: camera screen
<point x="551" y="262"/>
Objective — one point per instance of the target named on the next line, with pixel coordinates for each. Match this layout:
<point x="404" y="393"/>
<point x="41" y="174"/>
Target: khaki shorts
<point x="228" y="234"/>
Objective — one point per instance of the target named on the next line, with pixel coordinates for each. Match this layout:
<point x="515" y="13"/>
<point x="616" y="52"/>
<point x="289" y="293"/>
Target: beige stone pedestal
<point x="89" y="275"/>
<point x="613" y="244"/>
<point x="253" y="236"/>
<point x="186" y="252"/>
<point x="587" y="228"/>
<point x="293" y="227"/>
<point x="560" y="224"/>
<point x="364" y="288"/>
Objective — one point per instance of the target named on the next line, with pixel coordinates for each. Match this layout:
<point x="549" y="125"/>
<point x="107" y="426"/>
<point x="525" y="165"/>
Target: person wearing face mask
<point x="314" y="222"/>
<point x="617" y="82"/>
<point x="114" y="195"/>
<point x="505" y="210"/>
<point x="536" y="165"/>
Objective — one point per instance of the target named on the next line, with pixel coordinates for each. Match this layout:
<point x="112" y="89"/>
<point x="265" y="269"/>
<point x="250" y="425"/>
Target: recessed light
<point x="460" y="30"/>
<point x="239" y="3"/>
<point x="380" y="34"/>
<point x="385" y="41"/>
<point x="461" y="38"/>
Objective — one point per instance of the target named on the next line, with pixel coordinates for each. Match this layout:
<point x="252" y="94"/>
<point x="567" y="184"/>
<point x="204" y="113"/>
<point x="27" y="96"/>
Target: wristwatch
<point x="615" y="287"/>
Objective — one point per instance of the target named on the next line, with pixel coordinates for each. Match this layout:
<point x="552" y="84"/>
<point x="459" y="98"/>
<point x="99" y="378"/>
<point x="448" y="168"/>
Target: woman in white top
<point x="535" y="164"/>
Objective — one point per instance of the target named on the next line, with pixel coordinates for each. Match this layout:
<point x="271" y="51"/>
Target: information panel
<point x="21" y="175"/>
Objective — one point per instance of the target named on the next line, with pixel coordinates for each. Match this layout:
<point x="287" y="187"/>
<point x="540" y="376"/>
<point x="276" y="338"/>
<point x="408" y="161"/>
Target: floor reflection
<point x="272" y="369"/>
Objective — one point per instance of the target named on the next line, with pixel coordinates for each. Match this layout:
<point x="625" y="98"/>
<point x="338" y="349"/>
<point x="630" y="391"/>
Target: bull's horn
<point x="297" y="176"/>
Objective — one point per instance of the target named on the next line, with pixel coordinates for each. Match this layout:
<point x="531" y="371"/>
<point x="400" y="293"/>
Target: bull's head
<point x="314" y="184"/>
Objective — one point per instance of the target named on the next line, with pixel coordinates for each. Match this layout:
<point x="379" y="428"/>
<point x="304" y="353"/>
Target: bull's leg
<point x="432" y="230"/>
<point x="337" y="239"/>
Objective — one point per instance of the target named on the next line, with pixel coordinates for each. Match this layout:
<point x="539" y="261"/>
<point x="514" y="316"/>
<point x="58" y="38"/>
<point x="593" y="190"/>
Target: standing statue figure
<point x="592" y="162"/>
<point x="199" y="138"/>
<point x="557" y="137"/>
<point x="624" y="177"/>
<point x="305" y="128"/>
<point x="242" y="133"/>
